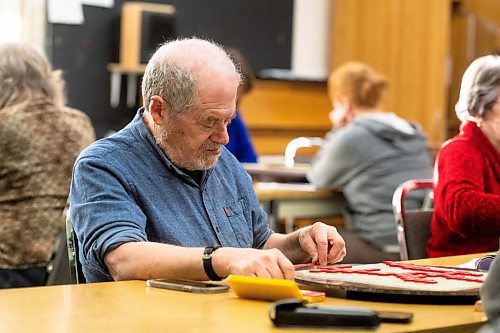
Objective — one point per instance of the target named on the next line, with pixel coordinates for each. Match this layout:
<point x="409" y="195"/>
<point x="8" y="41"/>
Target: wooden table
<point x="277" y="172"/>
<point x="132" y="307"/>
<point x="285" y="193"/>
<point x="293" y="200"/>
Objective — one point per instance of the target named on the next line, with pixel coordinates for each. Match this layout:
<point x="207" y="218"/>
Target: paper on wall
<point x="65" y="11"/>
<point x="99" y="3"/>
<point x="310" y="39"/>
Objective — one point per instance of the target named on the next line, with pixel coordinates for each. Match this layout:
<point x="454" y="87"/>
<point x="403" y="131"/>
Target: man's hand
<point x="323" y="243"/>
<point x="271" y="263"/>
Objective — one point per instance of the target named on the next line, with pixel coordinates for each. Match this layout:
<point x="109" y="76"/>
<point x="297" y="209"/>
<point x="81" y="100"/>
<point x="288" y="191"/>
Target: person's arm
<point x="468" y="208"/>
<point x="334" y="165"/>
<point x="320" y="242"/>
<point x="148" y="260"/>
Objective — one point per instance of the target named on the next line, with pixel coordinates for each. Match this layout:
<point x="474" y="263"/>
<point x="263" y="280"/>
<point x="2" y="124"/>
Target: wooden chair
<point x="413" y="225"/>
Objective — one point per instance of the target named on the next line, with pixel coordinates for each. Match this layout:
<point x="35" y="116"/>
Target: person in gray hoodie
<point x="367" y="154"/>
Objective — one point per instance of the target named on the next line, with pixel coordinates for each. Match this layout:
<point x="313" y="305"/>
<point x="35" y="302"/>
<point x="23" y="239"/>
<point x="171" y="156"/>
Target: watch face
<point x="210" y="249"/>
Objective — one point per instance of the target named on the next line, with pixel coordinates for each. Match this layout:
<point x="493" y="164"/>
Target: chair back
<point x="413" y="225"/>
<point x="75" y="267"/>
<point x="297" y="143"/>
<point x="58" y="269"/>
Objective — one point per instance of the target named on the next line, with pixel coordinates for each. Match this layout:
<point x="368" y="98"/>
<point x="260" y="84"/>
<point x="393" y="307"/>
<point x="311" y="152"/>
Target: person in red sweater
<point x="467" y="171"/>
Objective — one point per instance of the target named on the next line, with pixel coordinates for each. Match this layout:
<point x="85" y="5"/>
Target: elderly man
<point x="163" y="197"/>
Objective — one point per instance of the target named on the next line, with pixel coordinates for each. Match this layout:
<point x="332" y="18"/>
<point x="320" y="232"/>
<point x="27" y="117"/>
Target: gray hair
<point x="174" y="69"/>
<point x="485" y="91"/>
<point x="26" y="74"/>
<point x="469" y="84"/>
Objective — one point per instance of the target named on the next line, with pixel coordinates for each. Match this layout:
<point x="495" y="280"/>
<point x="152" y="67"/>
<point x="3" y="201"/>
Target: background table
<point x="277" y="172"/>
<point x="291" y="201"/>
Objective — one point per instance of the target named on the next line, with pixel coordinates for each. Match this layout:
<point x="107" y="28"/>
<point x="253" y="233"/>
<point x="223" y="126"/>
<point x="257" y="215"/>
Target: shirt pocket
<point x="241" y="226"/>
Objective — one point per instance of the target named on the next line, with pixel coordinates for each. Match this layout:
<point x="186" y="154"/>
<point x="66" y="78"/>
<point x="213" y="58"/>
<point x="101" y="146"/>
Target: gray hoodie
<point x="368" y="159"/>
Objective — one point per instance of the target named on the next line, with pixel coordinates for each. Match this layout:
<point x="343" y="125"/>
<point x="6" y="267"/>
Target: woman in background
<point x="467" y="171"/>
<point x="240" y="144"/>
<point x="367" y="154"/>
<point x="40" y="139"/>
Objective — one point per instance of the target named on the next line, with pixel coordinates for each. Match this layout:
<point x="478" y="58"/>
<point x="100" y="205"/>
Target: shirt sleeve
<point x="103" y="211"/>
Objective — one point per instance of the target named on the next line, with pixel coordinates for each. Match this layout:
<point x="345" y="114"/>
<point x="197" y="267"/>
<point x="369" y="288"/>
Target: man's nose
<point x="220" y="135"/>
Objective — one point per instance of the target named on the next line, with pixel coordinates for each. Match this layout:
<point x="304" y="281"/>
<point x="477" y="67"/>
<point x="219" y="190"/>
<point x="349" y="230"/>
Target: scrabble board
<point x="394" y="277"/>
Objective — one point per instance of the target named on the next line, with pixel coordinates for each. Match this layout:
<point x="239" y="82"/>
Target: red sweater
<point x="466" y="196"/>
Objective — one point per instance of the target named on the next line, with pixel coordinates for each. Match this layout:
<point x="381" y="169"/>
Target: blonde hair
<point x="357" y="81"/>
<point x="26" y="74"/>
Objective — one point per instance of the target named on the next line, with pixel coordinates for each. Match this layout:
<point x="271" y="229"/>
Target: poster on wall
<point x="71" y="11"/>
<point x="99" y="3"/>
<point x="65" y="11"/>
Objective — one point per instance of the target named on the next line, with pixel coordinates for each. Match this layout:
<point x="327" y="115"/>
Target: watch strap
<point x="207" y="263"/>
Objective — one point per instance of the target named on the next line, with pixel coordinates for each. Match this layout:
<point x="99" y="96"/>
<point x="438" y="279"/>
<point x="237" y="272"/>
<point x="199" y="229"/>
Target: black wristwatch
<point x="207" y="263"/>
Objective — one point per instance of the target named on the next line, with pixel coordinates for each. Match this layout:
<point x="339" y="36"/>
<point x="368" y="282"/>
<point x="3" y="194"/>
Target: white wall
<point x="23" y="20"/>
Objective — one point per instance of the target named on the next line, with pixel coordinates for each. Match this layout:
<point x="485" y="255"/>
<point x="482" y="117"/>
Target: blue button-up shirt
<point x="125" y="189"/>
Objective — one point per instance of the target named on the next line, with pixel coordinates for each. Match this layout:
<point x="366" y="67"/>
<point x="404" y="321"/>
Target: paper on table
<point x="285" y="186"/>
<point x="480" y="263"/>
<point x="471" y="264"/>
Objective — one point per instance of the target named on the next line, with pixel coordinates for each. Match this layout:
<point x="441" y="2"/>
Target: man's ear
<point x="158" y="109"/>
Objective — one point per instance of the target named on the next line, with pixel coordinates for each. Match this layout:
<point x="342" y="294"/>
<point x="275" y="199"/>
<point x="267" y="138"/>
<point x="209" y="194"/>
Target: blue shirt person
<point x="240" y="144"/>
<point x="158" y="198"/>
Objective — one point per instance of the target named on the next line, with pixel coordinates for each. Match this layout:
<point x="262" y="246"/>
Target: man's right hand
<point x="271" y="263"/>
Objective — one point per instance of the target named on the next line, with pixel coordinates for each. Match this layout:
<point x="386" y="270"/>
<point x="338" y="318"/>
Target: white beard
<point x="173" y="149"/>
